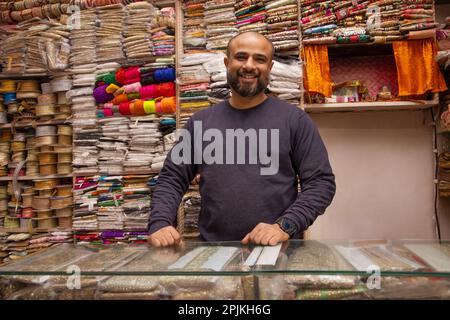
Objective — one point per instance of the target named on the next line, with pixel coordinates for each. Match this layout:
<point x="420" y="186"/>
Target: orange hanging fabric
<point x="417" y="71"/>
<point x="317" y="75"/>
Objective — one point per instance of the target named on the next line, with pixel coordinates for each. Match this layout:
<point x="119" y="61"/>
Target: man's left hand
<point x="266" y="234"/>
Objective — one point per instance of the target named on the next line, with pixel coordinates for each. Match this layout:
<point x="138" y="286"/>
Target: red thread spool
<point x="132" y="74"/>
<point x="149" y="92"/>
<point x="166" y="89"/>
<point x="124" y="109"/>
<point x="108" y="112"/>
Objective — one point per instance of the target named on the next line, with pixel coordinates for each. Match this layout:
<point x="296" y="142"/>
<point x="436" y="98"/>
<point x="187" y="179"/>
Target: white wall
<point x="383" y="163"/>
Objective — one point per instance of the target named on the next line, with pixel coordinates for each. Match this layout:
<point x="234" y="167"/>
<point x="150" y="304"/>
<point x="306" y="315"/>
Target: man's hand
<point x="167" y="236"/>
<point x="196" y="180"/>
<point x="266" y="234"/>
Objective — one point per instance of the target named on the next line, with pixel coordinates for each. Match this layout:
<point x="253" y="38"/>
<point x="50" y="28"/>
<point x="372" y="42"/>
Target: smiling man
<point x="241" y="200"/>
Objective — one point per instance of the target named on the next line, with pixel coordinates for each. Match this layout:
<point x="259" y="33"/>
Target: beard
<point x="246" y="89"/>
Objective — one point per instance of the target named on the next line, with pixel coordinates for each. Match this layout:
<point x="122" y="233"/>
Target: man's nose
<point x="249" y="64"/>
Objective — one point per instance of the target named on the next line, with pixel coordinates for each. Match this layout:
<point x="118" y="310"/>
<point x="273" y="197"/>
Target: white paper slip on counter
<point x="253" y="257"/>
<point x="188" y="257"/>
<point x="431" y="254"/>
<point x="269" y="255"/>
<point x="356" y="258"/>
<point x="219" y="259"/>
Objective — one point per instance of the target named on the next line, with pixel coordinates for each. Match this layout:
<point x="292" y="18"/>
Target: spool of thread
<point x="44" y="110"/>
<point x="65" y="139"/>
<point x="45" y="131"/>
<point x="46" y="140"/>
<point x="64" y="190"/>
<point x="65" y="129"/>
<point x="164" y="75"/>
<point x="46" y="88"/>
<point x="120" y="98"/>
<point x="62" y="98"/>
<point x="64" y="158"/>
<point x="109" y="78"/>
<point x="101" y="96"/>
<point x="8" y="86"/>
<point x="9" y="97"/>
<point x="47" y="158"/>
<point x="47" y="169"/>
<point x="158" y="108"/>
<point x="64" y="168"/>
<point x="28" y="86"/>
<point x="128" y="75"/>
<point x="124" y="109"/>
<point x="45" y="184"/>
<point x="166" y="89"/>
<point x="149" y="92"/>
<point x="149" y="106"/>
<point x="46" y="99"/>
<point x="169" y="105"/>
<point x="108" y="112"/>
<point x="139" y="107"/>
<point x="62" y="149"/>
<point x="133" y="87"/>
<point x="64" y="212"/>
<point x="61" y="85"/>
<point x="20" y="136"/>
<point x="111" y="88"/>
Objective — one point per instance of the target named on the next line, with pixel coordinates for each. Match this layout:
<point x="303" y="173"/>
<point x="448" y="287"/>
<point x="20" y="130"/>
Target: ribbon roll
<point x="149" y="106"/>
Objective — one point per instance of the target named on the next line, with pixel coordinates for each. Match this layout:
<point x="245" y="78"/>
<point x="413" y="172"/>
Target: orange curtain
<point x="317" y="67"/>
<point x="417" y="71"/>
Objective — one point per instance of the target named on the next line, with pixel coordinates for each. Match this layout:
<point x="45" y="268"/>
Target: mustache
<point x="243" y="73"/>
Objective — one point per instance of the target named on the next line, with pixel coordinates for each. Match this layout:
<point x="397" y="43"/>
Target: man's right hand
<point x="167" y="236"/>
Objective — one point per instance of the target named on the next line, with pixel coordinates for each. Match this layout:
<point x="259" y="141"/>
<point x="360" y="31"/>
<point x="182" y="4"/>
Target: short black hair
<point x="240" y="34"/>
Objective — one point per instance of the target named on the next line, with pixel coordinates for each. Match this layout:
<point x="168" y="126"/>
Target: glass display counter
<point x="227" y="270"/>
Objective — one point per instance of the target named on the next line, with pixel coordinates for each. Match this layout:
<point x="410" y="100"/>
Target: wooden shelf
<point x="15" y="76"/>
<point x="53" y="176"/>
<point x="360" y="49"/>
<point x="37" y="123"/>
<point x="136" y="173"/>
<point x="369" y="106"/>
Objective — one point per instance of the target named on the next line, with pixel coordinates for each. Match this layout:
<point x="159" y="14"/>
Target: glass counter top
<point x="390" y="258"/>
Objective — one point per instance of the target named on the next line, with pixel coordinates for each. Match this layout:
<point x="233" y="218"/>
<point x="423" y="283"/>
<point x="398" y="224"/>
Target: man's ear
<point x="225" y="61"/>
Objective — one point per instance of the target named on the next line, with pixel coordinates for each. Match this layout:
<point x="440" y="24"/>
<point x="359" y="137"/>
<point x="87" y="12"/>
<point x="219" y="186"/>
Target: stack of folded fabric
<point x="109" y="32"/>
<point x="444" y="174"/>
<point x="251" y="15"/>
<point x="163" y="35"/>
<point x="194" y="80"/>
<point x="3" y="204"/>
<point x="13" y="49"/>
<point x="87" y="237"/>
<point x="83" y="69"/>
<point x="219" y="88"/>
<point x="318" y="21"/>
<point x="282" y="25"/>
<point x="3" y="248"/>
<point x="144" y="144"/>
<point x="39" y="241"/>
<point x="83" y="39"/>
<point x="138" y="22"/>
<point x="60" y="237"/>
<point x="33" y="42"/>
<point x="194" y="37"/>
<point x="85" y="127"/>
<point x="220" y="23"/>
<point x="15" y="246"/>
<point x="167" y="126"/>
<point x="351" y="22"/>
<point x="191" y="206"/>
<point x="417" y="15"/>
<point x="136" y="205"/>
<point x="85" y="199"/>
<point x="383" y="20"/>
<point x="113" y="144"/>
<point x="284" y="80"/>
<point x="110" y="197"/>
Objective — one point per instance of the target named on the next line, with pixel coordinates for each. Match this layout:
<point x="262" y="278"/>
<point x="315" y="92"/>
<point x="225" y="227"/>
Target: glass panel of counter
<point x="227" y="270"/>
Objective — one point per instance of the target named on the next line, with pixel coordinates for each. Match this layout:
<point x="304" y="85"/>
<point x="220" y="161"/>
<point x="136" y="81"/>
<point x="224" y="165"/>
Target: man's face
<point x="249" y="65"/>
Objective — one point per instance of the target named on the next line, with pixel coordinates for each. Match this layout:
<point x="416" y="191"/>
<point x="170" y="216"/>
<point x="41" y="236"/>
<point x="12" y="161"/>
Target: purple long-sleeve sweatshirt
<point x="248" y="176"/>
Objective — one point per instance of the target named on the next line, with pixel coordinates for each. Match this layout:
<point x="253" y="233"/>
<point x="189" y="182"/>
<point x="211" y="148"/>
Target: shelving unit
<point x="24" y="178"/>
<point x="370" y="106"/>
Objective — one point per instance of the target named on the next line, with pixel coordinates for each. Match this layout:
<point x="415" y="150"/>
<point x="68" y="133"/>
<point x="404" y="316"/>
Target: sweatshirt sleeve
<point x="310" y="160"/>
<point x="173" y="182"/>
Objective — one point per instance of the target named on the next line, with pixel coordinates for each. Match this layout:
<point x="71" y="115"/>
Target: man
<point x="249" y="189"/>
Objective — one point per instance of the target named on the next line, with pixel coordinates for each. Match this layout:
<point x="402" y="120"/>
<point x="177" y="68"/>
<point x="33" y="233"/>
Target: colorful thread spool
<point x="150" y="106"/>
<point x="101" y="96"/>
<point x="124" y="109"/>
<point x="164" y="75"/>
